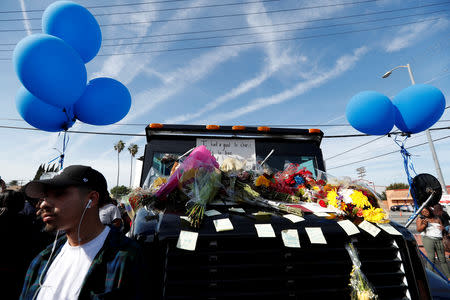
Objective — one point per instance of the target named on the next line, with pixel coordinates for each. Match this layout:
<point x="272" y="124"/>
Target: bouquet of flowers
<point x="361" y="288"/>
<point x="356" y="201"/>
<point x="244" y="193"/>
<point x="200" y="156"/>
<point x="201" y="191"/>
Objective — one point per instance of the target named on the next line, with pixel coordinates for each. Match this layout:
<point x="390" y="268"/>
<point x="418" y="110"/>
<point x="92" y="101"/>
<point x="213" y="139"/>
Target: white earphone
<point x="89" y="203"/>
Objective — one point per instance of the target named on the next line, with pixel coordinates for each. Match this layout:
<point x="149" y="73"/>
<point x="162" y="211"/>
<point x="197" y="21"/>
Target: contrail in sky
<point x="26" y="22"/>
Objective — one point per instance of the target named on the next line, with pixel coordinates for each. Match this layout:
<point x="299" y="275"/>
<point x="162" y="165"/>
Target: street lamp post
<point x="430" y="140"/>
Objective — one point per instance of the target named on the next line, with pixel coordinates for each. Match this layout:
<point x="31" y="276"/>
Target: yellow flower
<point x="359" y="199"/>
<point x="375" y="215"/>
<point x="159" y="182"/>
<point x="331" y="196"/>
<point x="262" y="180"/>
<point x="316" y="188"/>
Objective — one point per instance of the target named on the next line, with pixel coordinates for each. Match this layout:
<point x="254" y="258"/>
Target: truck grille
<point x="231" y="267"/>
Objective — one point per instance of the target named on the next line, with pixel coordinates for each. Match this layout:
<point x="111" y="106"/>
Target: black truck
<point x="237" y="264"/>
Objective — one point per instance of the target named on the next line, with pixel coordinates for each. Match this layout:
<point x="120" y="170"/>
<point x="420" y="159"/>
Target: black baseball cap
<point x="76" y="175"/>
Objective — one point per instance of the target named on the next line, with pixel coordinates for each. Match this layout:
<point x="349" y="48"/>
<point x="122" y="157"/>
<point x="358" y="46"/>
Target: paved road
<point x="402" y="218"/>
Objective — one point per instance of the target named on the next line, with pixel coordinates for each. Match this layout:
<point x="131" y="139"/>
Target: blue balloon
<point x="371" y="113"/>
<point x="50" y="69"/>
<point x="75" y="25"/>
<point x="105" y="101"/>
<point x="41" y="115"/>
<point x="418" y="107"/>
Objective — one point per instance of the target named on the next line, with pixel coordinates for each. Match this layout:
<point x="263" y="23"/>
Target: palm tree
<point x="118" y="147"/>
<point x="133" y="148"/>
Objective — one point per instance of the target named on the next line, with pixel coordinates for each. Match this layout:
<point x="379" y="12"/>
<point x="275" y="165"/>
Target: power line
<point x="138" y="134"/>
<point x="76" y="131"/>
<point x="255" y="33"/>
<point x="388" y="153"/>
<point x="248" y="27"/>
<point x="253" y="13"/>
<point x="255" y="42"/>
<point x="250" y="125"/>
<point x="162" y="9"/>
<point x="99" y="6"/>
<point x="354" y="148"/>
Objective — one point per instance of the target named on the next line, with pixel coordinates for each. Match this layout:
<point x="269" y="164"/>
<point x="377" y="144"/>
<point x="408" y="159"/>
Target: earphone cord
<point x="81" y="220"/>
<point x="46" y="265"/>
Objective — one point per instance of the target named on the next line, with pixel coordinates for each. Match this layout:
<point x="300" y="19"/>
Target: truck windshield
<point x="163" y="163"/>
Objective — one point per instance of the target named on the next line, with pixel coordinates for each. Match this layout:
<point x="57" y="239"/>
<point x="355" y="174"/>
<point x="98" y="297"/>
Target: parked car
<point x="408" y="208"/>
<point x="395" y="207"/>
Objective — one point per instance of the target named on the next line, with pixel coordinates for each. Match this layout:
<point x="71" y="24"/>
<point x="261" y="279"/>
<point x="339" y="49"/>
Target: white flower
<point x="345" y="193"/>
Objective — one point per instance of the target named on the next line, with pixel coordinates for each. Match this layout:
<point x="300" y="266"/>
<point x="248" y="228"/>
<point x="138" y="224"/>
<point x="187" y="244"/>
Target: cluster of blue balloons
<point x="413" y="110"/>
<point x="51" y="67"/>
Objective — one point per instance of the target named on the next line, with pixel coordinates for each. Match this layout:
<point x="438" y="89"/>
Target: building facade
<point x="401" y="197"/>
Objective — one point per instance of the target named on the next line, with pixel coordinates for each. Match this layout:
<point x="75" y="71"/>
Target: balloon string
<point x="65" y="142"/>
<point x="407" y="164"/>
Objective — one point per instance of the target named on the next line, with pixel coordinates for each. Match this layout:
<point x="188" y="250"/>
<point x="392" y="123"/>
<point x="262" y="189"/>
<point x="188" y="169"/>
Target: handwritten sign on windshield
<point x="243" y="149"/>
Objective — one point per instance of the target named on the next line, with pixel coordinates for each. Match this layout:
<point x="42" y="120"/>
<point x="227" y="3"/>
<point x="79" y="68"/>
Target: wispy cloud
<point x="275" y="60"/>
<point x="343" y="64"/>
<point x="279" y="57"/>
<point x="411" y="34"/>
<point x="26" y="21"/>
<point x="178" y="80"/>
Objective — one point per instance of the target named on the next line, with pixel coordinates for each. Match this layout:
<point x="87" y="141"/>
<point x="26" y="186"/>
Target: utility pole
<point x="430" y="140"/>
<point x="361" y="172"/>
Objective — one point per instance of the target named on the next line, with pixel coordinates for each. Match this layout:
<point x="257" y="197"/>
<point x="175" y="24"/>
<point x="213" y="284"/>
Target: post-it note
<point x="265" y="230"/>
<point x="290" y="238"/>
<point x="315" y="235"/>
<point x="223" y="225"/>
<point x="293" y="218"/>
<point x="212" y="212"/>
<point x="348" y="227"/>
<point x="237" y="209"/>
<point x="370" y="228"/>
<point x="187" y="240"/>
<point x="321" y="214"/>
<point x="389" y="229"/>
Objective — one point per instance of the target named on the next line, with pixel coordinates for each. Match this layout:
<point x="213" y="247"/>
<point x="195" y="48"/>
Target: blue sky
<point x="306" y="79"/>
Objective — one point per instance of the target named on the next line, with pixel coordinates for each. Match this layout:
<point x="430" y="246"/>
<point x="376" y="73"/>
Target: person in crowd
<point x="431" y="227"/>
<point x="16" y="251"/>
<point x="110" y="214"/>
<point x="125" y="217"/>
<point x="2" y="184"/>
<point x="439" y="211"/>
<point x="90" y="260"/>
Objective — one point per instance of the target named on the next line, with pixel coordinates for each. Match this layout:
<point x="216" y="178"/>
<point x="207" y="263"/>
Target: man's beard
<point x="50" y="228"/>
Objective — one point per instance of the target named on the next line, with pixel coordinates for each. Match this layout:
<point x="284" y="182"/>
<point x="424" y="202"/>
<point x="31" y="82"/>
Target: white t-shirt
<point x="66" y="274"/>
<point x="433" y="230"/>
<point x="109" y="213"/>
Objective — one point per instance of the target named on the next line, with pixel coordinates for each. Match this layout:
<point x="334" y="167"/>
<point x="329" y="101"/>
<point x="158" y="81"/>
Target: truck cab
<point x="238" y="264"/>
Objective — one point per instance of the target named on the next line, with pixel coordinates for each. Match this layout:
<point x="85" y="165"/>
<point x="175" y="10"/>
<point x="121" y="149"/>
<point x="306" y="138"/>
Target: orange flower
<point x="262" y="180"/>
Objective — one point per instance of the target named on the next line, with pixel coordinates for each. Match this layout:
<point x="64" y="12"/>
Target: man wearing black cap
<point x="91" y="261"/>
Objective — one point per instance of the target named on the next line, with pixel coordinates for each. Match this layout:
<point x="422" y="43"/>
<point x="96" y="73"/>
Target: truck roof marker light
<point x="156" y="126"/>
<point x="212" y="127"/>
<point x="314" y="130"/>
<point x="264" y="128"/>
<point x="238" y="127"/>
